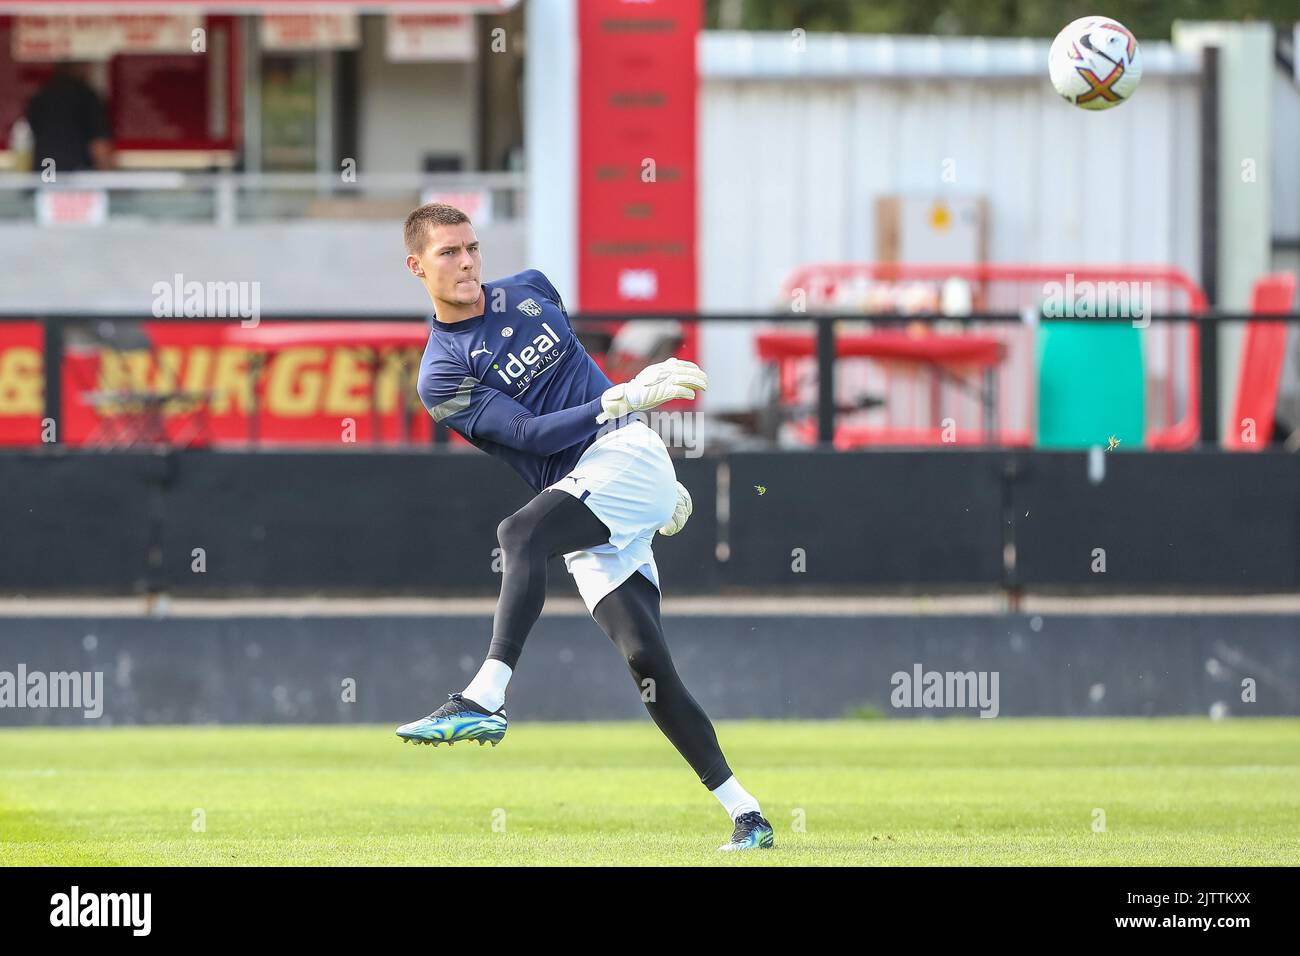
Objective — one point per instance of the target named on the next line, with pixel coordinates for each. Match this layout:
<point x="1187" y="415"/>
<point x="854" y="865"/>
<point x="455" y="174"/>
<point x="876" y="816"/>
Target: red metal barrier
<point x="913" y="402"/>
<point x="1251" y="427"/>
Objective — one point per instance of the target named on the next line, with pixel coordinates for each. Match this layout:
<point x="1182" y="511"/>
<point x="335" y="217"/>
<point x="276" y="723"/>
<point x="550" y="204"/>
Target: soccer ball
<point x="1095" y="63"/>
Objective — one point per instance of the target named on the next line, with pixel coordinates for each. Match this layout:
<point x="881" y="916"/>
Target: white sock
<point x="734" y="798"/>
<point x="489" y="685"/>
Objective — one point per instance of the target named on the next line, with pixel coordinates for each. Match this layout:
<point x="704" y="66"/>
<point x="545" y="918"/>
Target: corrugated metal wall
<point x="794" y="152"/>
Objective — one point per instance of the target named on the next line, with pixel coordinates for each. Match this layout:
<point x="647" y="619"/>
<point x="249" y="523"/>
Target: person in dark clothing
<point x="69" y="124"/>
<point x="505" y="369"/>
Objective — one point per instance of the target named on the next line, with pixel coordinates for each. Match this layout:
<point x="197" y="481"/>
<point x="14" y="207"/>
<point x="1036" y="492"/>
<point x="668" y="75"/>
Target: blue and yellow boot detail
<point x="458" y="719"/>
<point x="753" y="832"/>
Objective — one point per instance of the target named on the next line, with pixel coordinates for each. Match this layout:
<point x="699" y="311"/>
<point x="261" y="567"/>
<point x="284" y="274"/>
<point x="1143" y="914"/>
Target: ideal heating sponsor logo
<point x="75" y="908"/>
<point x="958" y="690"/>
<point x="520" y="370"/>
<point x="53" y="689"/>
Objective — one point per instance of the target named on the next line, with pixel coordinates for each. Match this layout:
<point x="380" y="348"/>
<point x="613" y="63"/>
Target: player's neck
<point x="453" y="312"/>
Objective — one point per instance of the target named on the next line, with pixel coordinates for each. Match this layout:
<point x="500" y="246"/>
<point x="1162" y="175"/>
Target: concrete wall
<point x="826" y="522"/>
<point x="1244" y="187"/>
<point x="1284" y="167"/>
<point x="795" y="149"/>
<point x="408" y="109"/>
<point x="551" y="143"/>
<point x="287" y="670"/>
<point x="1285" y="171"/>
<point x="332" y="266"/>
<point x="404" y="111"/>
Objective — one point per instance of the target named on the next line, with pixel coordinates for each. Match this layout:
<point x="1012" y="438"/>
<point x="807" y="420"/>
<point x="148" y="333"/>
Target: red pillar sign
<point x="637" y="87"/>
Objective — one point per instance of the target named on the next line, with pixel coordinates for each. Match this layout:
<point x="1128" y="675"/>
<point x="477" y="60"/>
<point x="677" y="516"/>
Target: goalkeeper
<point x="504" y="369"/>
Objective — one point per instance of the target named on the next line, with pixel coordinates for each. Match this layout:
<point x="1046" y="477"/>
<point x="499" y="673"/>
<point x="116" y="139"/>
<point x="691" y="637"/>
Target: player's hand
<point x="680" y="513"/>
<point x="656" y="384"/>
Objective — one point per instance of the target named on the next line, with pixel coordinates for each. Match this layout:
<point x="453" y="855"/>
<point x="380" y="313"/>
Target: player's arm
<point x="457" y="399"/>
<point x="512" y="424"/>
<point x="506" y="422"/>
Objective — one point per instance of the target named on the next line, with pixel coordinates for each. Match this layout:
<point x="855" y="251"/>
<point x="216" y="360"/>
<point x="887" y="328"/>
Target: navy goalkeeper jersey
<point x="515" y="381"/>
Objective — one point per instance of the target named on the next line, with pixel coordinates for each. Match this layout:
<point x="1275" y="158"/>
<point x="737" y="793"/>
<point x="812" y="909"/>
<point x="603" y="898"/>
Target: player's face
<point x="452" y="264"/>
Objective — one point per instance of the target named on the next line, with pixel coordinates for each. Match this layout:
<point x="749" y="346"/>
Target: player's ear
<point x="413" y="264"/>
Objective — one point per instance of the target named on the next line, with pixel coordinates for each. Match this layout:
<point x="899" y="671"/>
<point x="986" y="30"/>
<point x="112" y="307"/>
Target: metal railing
<point x="54" y="328"/>
<point x="229" y="199"/>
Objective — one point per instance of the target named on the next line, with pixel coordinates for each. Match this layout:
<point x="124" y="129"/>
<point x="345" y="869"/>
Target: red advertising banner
<point x="212" y="384"/>
<point x="637" y="89"/>
<point x="209" y="384"/>
<point x="22" y="386"/>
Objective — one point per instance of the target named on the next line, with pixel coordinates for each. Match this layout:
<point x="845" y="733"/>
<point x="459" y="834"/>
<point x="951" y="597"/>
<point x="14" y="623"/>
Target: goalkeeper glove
<point x="654" y="385"/>
<point x="680" y="513"/>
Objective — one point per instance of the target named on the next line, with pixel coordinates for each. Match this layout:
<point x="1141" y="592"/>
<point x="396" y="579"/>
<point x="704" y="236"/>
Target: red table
<point x="942" y="353"/>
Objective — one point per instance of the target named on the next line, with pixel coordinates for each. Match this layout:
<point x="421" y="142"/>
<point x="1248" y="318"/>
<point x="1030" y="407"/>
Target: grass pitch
<point x="920" y="792"/>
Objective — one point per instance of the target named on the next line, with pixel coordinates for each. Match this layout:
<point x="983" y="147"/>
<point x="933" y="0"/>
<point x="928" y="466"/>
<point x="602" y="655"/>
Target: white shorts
<point x="627" y="479"/>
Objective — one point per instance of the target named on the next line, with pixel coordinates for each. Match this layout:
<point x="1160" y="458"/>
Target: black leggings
<point x="553" y="523"/>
